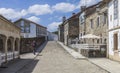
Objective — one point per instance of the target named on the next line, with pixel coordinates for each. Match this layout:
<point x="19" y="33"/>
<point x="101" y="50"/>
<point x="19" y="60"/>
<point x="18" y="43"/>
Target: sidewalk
<point x="107" y="64"/>
<point x="104" y="63"/>
<point x="72" y="52"/>
<point x="16" y="65"/>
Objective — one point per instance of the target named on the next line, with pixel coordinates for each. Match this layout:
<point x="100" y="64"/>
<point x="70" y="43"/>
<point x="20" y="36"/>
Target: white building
<point x="52" y="36"/>
<point x="114" y="29"/>
<point x="31" y="29"/>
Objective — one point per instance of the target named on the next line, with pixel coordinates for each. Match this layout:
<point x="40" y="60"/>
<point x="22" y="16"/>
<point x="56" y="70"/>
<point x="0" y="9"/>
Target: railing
<point x="3" y="57"/>
<point x="9" y="56"/>
<point x="87" y="46"/>
<point x="16" y="54"/>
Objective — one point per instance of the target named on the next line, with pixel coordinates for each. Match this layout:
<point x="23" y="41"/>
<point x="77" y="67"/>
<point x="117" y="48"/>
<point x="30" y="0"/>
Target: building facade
<point x="31" y="29"/>
<point x="114" y="29"/>
<point x="71" y="28"/>
<point x="97" y="22"/>
<point x="66" y="32"/>
<point x="61" y="32"/>
<point x="82" y="25"/>
<point x="9" y="40"/>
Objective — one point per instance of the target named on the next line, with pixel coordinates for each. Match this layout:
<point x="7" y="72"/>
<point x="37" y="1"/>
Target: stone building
<point x="114" y="29"/>
<point x="94" y="20"/>
<point x="71" y="29"/>
<point x="97" y="22"/>
<point x="9" y="40"/>
<point x="30" y="29"/>
<point x="82" y="23"/>
<point x="61" y="33"/>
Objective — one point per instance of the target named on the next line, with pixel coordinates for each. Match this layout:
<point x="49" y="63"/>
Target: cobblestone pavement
<point x="54" y="59"/>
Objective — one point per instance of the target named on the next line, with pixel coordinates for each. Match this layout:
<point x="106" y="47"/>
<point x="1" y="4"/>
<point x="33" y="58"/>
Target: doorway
<point x="115" y="41"/>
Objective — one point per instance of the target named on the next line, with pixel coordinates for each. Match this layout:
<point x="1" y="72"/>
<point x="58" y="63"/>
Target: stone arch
<point x="2" y="43"/>
<point x="10" y="43"/>
<point x="17" y="44"/>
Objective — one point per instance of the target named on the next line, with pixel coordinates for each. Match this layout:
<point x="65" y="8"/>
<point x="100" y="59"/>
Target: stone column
<point x="13" y="47"/>
<point x="6" y="48"/>
<point x="18" y="46"/>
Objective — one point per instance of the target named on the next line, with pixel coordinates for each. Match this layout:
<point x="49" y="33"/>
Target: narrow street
<point x="54" y="59"/>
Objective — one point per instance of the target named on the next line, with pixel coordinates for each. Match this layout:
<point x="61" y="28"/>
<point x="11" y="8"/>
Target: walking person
<point x="34" y="47"/>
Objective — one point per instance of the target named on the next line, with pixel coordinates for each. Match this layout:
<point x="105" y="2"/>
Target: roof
<point x="91" y="9"/>
<point x="75" y="16"/>
<point x="5" y="19"/>
<point x="30" y="22"/>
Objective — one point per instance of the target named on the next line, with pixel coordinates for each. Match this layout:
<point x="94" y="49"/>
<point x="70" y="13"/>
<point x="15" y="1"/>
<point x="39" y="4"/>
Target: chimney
<point x="83" y="8"/>
<point x="73" y="14"/>
<point x="64" y="18"/>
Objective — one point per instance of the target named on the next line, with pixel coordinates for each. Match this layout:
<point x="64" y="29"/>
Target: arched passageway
<point x="1" y="46"/>
<point x="16" y="48"/>
<point x="17" y="44"/>
<point x="10" y="48"/>
<point x="2" y="43"/>
<point x="9" y="45"/>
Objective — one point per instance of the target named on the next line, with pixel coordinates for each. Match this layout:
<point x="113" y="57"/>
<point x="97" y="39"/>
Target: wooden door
<point x="116" y="41"/>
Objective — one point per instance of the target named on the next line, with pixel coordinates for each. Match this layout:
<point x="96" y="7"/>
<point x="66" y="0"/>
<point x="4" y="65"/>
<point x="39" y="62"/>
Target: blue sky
<point x="48" y="13"/>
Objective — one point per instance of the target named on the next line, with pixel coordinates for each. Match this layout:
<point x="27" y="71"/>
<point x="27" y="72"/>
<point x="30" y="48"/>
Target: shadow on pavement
<point x="16" y="65"/>
<point x="39" y="50"/>
<point x="29" y="68"/>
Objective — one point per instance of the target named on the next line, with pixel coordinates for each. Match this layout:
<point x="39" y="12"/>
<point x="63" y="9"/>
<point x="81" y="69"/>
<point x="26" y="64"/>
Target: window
<point x="110" y="17"/>
<point x="91" y="23"/>
<point x="104" y="18"/>
<point x="27" y="30"/>
<point x="22" y="29"/>
<point x="115" y="9"/>
<point x="98" y="21"/>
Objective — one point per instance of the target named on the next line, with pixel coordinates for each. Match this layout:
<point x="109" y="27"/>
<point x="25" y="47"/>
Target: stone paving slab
<point x="104" y="63"/>
<point x="55" y="59"/>
<point x="16" y="65"/>
<point x="72" y="52"/>
<point x="107" y="64"/>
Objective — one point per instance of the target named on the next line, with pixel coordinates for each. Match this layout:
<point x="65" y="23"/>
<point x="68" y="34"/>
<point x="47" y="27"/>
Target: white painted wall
<point x="110" y="15"/>
<point x="32" y="30"/>
<point x="32" y="33"/>
<point x="113" y="23"/>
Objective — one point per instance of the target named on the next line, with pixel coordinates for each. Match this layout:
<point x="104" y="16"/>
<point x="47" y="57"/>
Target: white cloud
<point x="11" y="13"/>
<point x="34" y="19"/>
<point x="64" y="7"/>
<point x="53" y="26"/>
<point x="40" y="9"/>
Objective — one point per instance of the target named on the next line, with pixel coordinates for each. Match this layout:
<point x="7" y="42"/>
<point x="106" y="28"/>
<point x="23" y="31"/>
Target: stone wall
<point x="6" y="25"/>
<point x="61" y="35"/>
<point x="95" y="29"/>
<point x="26" y="44"/>
<point x="74" y="28"/>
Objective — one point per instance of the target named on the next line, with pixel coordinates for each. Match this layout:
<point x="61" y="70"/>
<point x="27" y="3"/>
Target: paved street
<point x="54" y="59"/>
